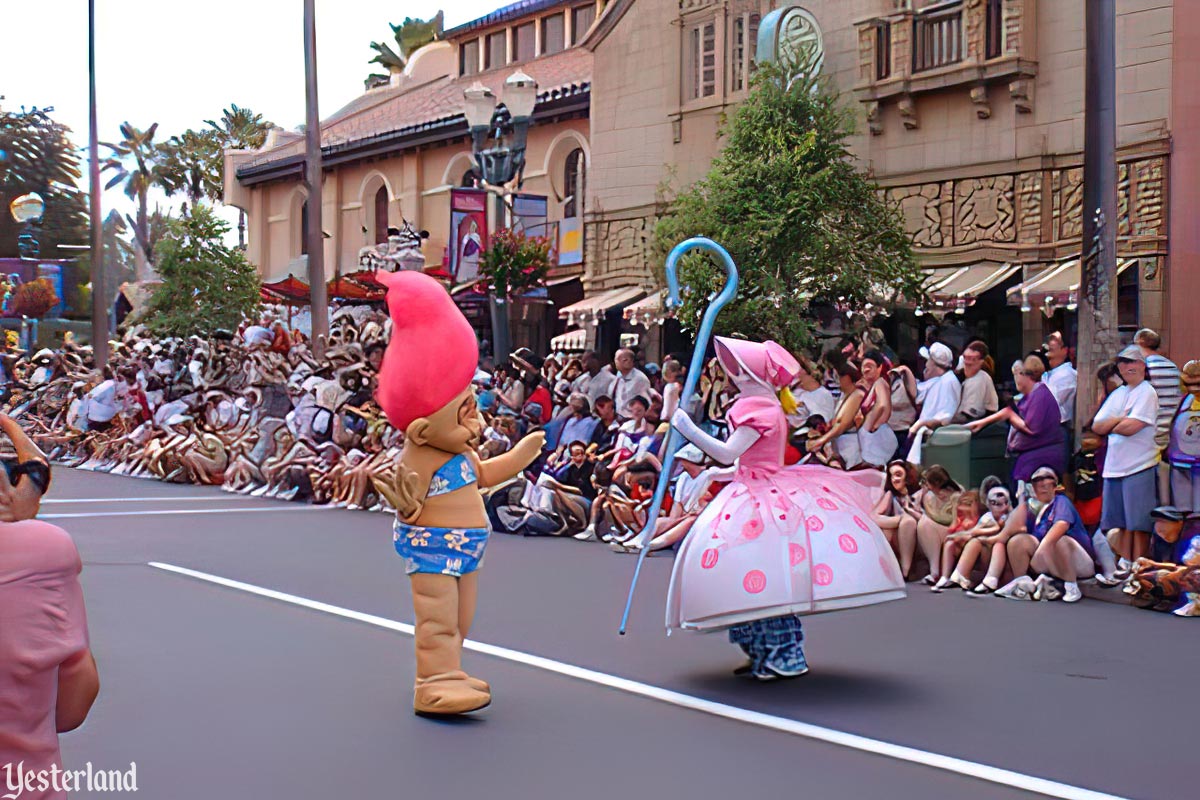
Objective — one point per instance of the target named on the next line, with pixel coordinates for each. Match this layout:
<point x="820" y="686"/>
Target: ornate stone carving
<point x="1014" y="28"/>
<point x="984" y="210"/>
<point x="1021" y="91"/>
<point x="1029" y="207"/>
<point x="620" y="248"/>
<point x="874" y="118"/>
<point x="979" y="96"/>
<point x="1068" y="204"/>
<point x="927" y="212"/>
<point x="1149" y="200"/>
<point x="908" y="112"/>
<point x="1123" y="198"/>
<point x="974" y="19"/>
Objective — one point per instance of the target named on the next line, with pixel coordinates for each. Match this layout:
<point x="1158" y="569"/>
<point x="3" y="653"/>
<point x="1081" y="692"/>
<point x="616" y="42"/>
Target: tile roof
<point x="403" y="109"/>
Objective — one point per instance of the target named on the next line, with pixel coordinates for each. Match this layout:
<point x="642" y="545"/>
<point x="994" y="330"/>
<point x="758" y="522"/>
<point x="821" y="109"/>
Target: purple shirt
<point x="1045" y="444"/>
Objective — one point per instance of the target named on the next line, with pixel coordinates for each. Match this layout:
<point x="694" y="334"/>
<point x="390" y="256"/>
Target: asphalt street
<point x="215" y="688"/>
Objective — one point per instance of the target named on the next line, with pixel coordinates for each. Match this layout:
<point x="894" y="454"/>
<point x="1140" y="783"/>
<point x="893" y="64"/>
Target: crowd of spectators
<point x="253" y="411"/>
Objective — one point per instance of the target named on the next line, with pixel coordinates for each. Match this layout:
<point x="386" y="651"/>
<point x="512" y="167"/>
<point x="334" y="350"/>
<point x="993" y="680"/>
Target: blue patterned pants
<point x="774" y="645"/>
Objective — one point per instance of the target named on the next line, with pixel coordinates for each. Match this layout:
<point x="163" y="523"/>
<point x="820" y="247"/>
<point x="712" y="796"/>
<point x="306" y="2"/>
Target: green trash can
<point x="989" y="454"/>
<point x="950" y="446"/>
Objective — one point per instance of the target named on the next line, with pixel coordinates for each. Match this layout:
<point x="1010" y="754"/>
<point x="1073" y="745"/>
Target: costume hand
<point x="530" y="447"/>
<point x="684" y="424"/>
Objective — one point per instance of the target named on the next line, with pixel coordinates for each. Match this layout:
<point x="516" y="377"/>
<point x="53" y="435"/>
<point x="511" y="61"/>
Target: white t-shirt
<point x="1130" y="454"/>
<point x="627" y="387"/>
<point x="818" y="401"/>
<point x="1063" y="381"/>
<point x="103" y="403"/>
<point x="939" y="398"/>
<point x="595" y="386"/>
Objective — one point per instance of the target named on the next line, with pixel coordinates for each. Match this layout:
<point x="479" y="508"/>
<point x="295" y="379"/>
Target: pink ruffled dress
<point x="781" y="540"/>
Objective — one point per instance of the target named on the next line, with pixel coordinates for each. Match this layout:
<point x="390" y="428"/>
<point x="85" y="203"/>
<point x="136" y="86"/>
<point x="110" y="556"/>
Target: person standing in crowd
<point x="630" y="382"/>
<point x="978" y="390"/>
<point x="843" y="428"/>
<point x="812" y="398"/>
<point x="1061" y="377"/>
<point x="1128" y="419"/>
<point x="877" y="442"/>
<point x="1164" y="376"/>
<point x="595" y="382"/>
<point x="1037" y="437"/>
<point x="938" y="395"/>
<point x="672" y="373"/>
<point x="102" y="403"/>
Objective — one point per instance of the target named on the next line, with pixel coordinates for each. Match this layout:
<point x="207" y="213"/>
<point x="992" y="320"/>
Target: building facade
<point x="969" y="115"/>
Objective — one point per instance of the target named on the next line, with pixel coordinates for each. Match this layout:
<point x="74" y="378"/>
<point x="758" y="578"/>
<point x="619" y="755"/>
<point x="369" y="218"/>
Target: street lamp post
<point x="99" y="306"/>
<point x="27" y="210"/>
<point x="502" y="164"/>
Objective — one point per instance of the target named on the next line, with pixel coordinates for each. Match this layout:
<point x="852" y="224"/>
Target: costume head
<point x="433" y="353"/>
<point x="766" y="364"/>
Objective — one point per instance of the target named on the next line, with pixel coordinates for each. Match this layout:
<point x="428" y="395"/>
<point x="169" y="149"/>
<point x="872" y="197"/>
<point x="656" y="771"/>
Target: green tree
<point x="802" y="223"/>
<point x="410" y="36"/>
<point x="191" y="164"/>
<point x="206" y="286"/>
<point x="239" y="129"/>
<point x="37" y="155"/>
<point x="135" y="163"/>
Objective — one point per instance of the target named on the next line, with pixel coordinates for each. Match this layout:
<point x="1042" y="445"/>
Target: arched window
<point x="470" y="179"/>
<point x="304" y="228"/>
<point x="573" y="184"/>
<point x="381" y="215"/>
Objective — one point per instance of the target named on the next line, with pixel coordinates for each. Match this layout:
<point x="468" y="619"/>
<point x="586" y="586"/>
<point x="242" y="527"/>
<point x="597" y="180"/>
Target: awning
<point x="570" y="342"/>
<point x="592" y="309"/>
<point x="1054" y="285"/>
<point x="958" y="288"/>
<point x="650" y="310"/>
<point x="345" y="288"/>
<point x="289" y="290"/>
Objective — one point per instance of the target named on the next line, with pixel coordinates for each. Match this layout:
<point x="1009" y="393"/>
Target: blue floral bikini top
<point x="455" y="474"/>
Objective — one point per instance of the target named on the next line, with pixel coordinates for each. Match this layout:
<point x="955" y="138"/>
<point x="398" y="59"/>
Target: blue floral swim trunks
<point x="440" y="551"/>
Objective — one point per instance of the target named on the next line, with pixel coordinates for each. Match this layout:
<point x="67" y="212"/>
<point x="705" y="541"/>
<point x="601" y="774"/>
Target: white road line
<point x="280" y="509"/>
<point x="172" y="499"/>
<point x="960" y="766"/>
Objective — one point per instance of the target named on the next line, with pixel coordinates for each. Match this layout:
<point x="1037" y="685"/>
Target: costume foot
<point x="448" y="695"/>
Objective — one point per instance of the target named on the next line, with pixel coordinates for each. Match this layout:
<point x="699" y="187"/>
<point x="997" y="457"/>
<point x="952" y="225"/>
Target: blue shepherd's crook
<point x="689" y="388"/>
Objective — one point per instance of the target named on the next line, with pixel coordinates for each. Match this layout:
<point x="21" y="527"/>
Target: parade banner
<point x="468" y="233"/>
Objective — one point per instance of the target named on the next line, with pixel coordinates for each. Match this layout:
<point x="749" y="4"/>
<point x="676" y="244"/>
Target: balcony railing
<point x="938" y="37"/>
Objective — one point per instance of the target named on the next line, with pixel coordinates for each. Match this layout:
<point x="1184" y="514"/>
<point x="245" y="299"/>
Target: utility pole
<point x="312" y="160"/>
<point x="99" y="294"/>
<point x="1099" y="339"/>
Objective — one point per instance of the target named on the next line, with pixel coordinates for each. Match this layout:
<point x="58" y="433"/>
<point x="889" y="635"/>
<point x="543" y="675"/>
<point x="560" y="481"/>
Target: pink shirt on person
<point x="42" y="624"/>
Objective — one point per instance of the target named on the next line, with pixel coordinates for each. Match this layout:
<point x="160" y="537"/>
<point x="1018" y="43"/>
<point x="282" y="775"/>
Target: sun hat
<point x="1043" y="472"/>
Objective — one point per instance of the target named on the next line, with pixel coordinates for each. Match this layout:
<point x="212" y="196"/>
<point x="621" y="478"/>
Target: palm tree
<point x="135" y="160"/>
<point x="239" y="129"/>
<point x="191" y="164"/>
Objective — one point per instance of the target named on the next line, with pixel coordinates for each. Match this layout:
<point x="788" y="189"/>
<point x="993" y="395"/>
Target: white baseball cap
<point x="939" y="354"/>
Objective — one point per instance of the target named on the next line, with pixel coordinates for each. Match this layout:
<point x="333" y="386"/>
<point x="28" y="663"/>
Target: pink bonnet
<point x="768" y="361"/>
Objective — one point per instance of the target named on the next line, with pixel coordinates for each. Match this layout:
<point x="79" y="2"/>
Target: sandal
<point x="929" y="580"/>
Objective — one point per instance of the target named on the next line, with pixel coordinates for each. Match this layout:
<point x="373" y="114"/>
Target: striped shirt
<point x="1164" y="376"/>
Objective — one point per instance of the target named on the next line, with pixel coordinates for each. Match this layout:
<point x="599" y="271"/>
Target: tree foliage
<point x="410" y="35"/>
<point x="33" y="299"/>
<point x="801" y="222"/>
<point x="191" y="164"/>
<point x="206" y="286"/>
<point x="514" y="263"/>
<point x="37" y="155"/>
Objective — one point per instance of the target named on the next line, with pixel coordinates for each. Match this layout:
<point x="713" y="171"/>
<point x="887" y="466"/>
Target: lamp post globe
<point x="27" y="210"/>
<point x="520" y="95"/>
<point x="480" y="106"/>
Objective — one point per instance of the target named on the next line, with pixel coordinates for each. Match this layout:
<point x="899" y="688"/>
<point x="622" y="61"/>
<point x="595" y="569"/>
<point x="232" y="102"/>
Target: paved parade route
<point x="264" y="654"/>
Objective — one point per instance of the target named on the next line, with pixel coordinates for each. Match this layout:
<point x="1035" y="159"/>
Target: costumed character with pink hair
<point x="777" y="542"/>
<point x="441" y="526"/>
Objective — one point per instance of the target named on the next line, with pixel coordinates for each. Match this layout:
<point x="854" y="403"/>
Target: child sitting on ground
<point x="986" y="549"/>
<point x="967" y="516"/>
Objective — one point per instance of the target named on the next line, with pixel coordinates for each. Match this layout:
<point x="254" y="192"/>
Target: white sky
<point x="178" y="63"/>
